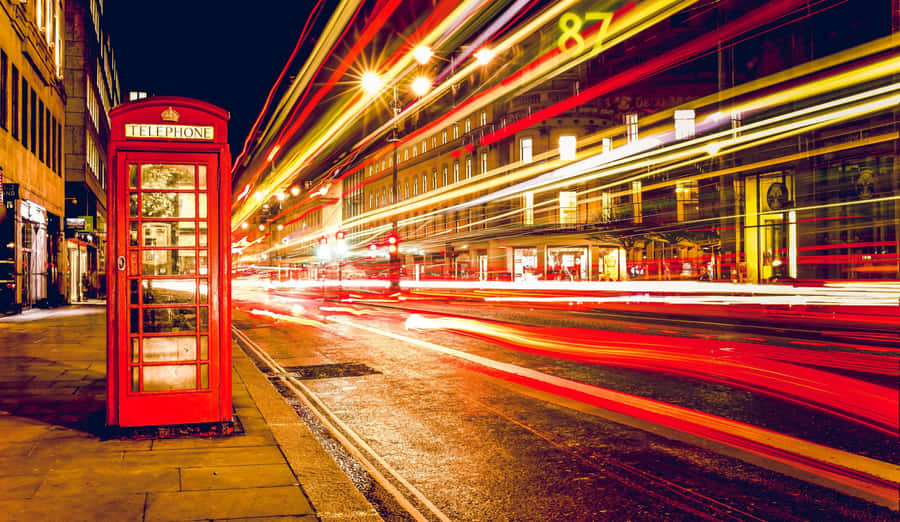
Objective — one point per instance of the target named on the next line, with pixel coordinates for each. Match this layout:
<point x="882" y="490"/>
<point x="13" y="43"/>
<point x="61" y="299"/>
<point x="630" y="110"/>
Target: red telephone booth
<point x="168" y="256"/>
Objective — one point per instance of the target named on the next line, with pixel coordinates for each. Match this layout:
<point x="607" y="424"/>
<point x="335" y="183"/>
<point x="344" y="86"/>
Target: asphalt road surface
<point x="489" y="428"/>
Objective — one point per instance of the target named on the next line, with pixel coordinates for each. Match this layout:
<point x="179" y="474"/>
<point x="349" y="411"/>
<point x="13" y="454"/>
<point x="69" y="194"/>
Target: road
<point x="475" y="411"/>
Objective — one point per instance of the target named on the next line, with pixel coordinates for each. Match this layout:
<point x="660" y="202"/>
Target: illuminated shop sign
<point x="169" y="132"/>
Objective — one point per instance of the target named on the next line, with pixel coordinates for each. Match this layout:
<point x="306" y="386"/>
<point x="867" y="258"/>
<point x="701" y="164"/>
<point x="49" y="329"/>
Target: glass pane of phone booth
<point x="168" y="277"/>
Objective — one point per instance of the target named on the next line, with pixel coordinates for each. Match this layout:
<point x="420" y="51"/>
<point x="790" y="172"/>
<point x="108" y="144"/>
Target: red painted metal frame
<point x="124" y="408"/>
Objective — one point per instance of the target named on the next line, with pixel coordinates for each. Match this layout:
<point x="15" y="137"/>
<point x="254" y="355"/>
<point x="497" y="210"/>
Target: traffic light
<point x="393" y="244"/>
<point x="323" y="241"/>
<point x="339" y="235"/>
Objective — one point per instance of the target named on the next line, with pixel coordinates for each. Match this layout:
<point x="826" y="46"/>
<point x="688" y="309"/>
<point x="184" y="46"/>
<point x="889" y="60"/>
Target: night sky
<point x="226" y="53"/>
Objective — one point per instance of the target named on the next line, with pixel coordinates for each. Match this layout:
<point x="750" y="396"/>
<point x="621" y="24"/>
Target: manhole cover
<point x="328" y="371"/>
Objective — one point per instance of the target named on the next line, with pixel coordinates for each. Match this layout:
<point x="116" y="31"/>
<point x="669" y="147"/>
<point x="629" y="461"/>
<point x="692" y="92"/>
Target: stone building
<point x="92" y="86"/>
<point x="32" y="112"/>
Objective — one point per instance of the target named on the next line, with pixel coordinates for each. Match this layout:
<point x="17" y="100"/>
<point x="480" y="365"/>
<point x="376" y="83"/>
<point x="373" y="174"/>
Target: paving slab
<point x="108" y="479"/>
<point x="80" y="508"/>
<point x="231" y="477"/>
<point x="19" y="486"/>
<point x="228" y="504"/>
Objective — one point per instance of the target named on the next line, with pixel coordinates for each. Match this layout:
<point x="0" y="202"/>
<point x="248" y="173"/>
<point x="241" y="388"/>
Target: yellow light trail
<point x="687" y="152"/>
<point x="335" y="123"/>
<point x="631" y="23"/>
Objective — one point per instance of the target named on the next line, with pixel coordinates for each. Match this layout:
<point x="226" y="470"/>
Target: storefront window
<point x="525" y="264"/>
<point x="567" y="263"/>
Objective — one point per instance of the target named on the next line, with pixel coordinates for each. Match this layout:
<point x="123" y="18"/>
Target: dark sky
<point x="223" y="52"/>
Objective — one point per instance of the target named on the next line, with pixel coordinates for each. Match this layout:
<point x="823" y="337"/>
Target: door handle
<point x="121" y="263"/>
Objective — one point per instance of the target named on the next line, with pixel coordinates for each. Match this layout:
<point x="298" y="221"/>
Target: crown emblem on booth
<point x="170" y="114"/>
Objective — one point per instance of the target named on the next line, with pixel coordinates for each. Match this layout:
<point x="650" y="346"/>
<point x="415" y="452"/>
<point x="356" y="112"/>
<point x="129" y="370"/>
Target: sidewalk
<point x="56" y="462"/>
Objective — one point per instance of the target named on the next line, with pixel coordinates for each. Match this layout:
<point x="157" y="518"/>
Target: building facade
<point x="32" y="112"/>
<point x="92" y="86"/>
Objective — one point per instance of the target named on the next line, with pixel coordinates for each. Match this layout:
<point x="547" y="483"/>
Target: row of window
<point x="386" y="197"/>
<point x="24" y="115"/>
<point x="567" y="148"/>
<point x="387" y="162"/>
<point x="684" y="128"/>
<point x="567" y="152"/>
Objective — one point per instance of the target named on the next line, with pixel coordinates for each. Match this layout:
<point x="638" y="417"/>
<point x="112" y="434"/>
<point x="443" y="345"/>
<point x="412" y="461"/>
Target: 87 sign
<point x="571" y="23"/>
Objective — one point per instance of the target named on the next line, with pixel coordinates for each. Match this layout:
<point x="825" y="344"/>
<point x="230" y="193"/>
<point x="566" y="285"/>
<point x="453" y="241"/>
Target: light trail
<point x="759" y="16"/>
<point x="329" y="128"/>
<point x="756" y="368"/>
<point x="854" y="474"/>
<point x="866" y="73"/>
<point x="642" y="155"/>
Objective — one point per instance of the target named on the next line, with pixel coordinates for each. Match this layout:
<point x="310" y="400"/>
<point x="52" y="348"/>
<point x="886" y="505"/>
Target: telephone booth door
<point x="169" y="359"/>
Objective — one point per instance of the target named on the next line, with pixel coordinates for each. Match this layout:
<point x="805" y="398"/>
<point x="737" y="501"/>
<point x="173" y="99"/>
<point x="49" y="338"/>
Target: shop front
<point x="525" y="264"/>
<point x="568" y="263"/>
<point x="33" y="260"/>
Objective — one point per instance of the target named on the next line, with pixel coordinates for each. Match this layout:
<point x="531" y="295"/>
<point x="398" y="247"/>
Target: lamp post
<point x="394" y="257"/>
<point x="339" y="249"/>
<point x="372" y="83"/>
<point x="322" y="254"/>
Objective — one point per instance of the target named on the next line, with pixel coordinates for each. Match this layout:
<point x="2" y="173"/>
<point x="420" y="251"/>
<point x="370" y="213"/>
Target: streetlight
<point x="394" y="266"/>
<point x="484" y="55"/>
<point x="323" y="254"/>
<point x="421" y="85"/>
<point x="422" y="53"/>
<point x="371" y="82"/>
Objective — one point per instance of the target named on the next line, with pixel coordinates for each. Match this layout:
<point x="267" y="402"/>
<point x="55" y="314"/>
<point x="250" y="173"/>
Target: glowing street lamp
<point x="484" y="55"/>
<point x="295" y="191"/>
<point x="421" y="85"/>
<point x="422" y="54"/>
<point x="371" y="82"/>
